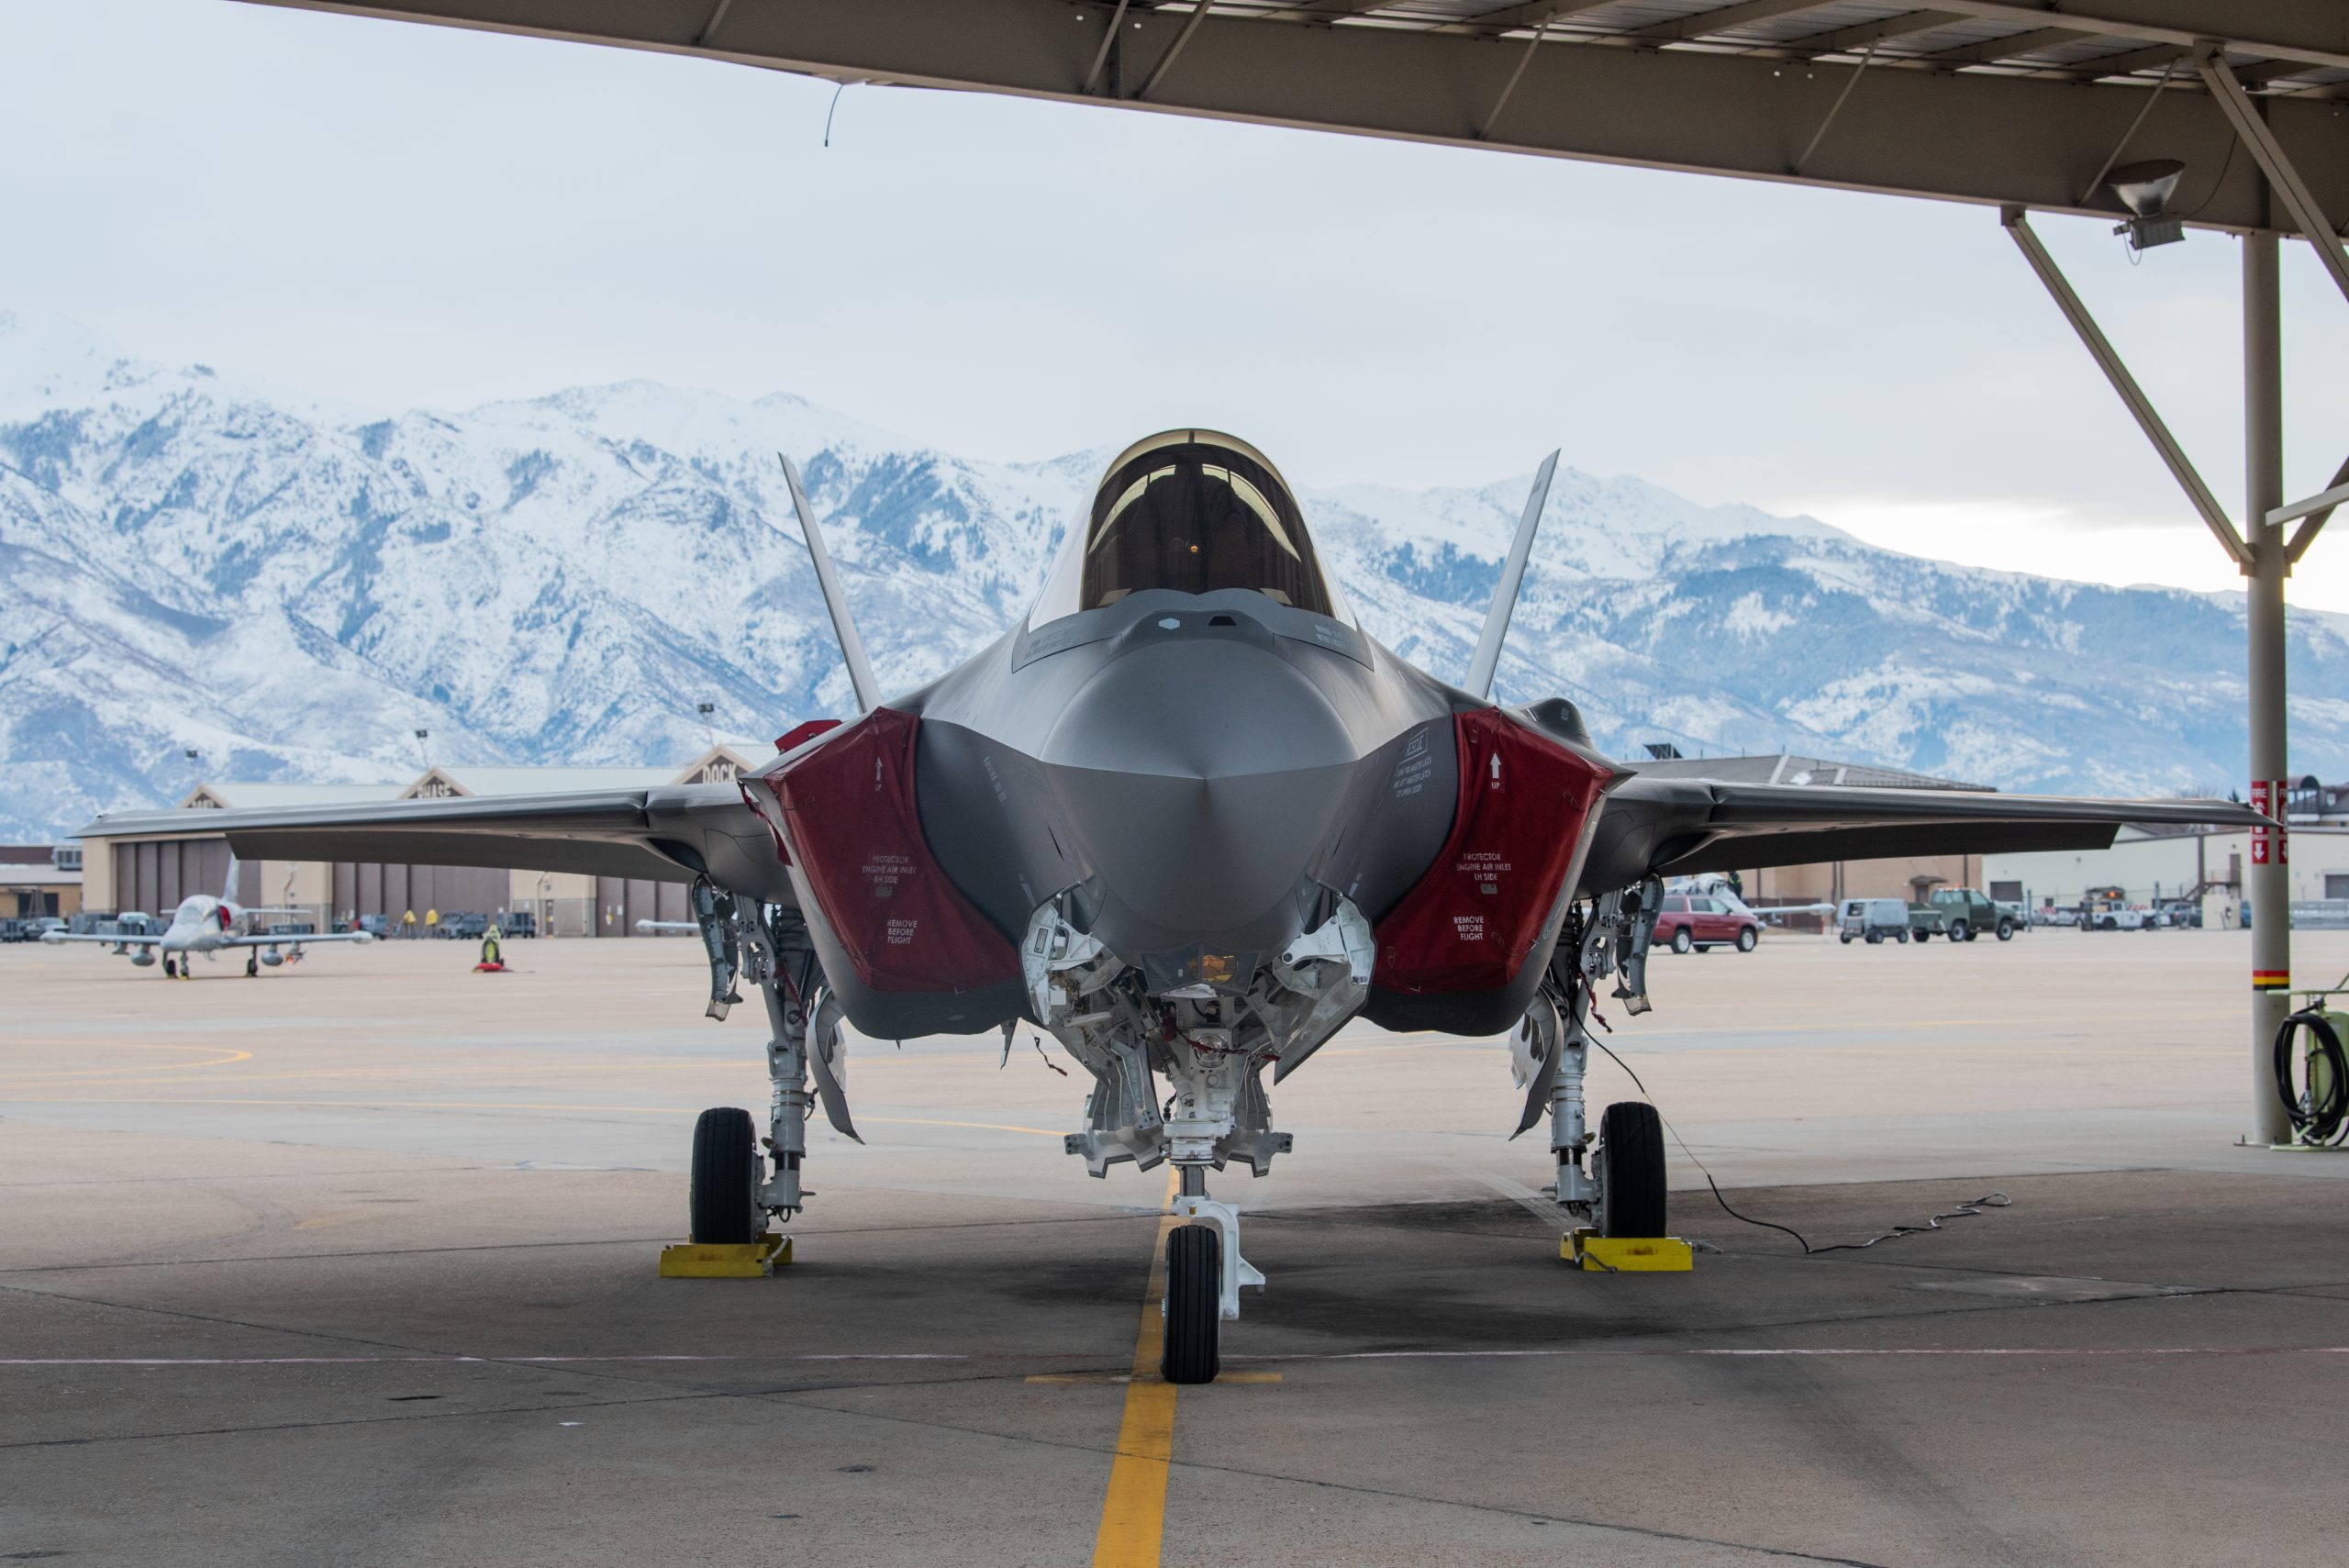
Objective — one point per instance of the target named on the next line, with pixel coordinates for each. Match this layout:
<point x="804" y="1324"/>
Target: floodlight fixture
<point x="2145" y="189"/>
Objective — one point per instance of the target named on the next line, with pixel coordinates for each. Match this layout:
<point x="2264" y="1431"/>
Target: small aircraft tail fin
<point x="229" y="893"/>
<point x="1488" y="647"/>
<point x="860" y="669"/>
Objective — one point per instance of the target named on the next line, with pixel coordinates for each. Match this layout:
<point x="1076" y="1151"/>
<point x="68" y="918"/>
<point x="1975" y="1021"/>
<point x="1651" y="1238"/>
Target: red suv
<point x="1698" y="920"/>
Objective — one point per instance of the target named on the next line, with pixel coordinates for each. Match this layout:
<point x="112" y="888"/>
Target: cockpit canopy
<point x="1192" y="511"/>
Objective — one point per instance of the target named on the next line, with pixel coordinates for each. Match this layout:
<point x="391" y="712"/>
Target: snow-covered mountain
<point x="292" y="589"/>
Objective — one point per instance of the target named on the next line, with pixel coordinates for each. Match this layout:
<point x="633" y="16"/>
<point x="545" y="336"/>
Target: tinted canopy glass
<point x="1195" y="515"/>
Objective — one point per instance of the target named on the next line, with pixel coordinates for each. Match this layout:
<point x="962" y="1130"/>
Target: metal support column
<point x="2268" y="878"/>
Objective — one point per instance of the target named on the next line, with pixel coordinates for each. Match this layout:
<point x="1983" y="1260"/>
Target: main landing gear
<point x="1622" y="1193"/>
<point x="740" y="1180"/>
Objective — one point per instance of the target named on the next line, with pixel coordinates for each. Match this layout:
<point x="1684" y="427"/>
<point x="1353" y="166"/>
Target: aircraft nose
<point x="1199" y="775"/>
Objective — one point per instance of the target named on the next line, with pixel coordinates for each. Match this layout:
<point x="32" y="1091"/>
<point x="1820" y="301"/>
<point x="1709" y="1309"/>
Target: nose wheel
<point x="1194" y="1304"/>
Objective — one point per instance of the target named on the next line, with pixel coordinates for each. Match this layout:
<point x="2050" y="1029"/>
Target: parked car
<point x="2182" y="915"/>
<point x="1961" y="914"/>
<point x="375" y="925"/>
<point x="518" y="923"/>
<point x="40" y="925"/>
<point x="1873" y="919"/>
<point x="1694" y="921"/>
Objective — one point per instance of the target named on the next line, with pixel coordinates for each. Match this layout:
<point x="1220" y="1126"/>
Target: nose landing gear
<point x="1204" y="1273"/>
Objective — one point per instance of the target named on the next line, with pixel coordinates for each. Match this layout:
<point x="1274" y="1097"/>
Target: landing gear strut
<point x="1621" y="1190"/>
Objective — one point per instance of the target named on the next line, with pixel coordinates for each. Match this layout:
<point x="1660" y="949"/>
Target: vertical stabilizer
<point x="1488" y="647"/>
<point x="229" y="893"/>
<point x="860" y="669"/>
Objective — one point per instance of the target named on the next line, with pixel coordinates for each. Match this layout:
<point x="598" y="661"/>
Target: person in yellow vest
<point x="407" y="924"/>
<point x="432" y="922"/>
<point x="489" y="959"/>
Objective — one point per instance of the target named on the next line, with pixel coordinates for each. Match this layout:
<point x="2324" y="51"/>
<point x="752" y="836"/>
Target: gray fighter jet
<point x="1189" y="819"/>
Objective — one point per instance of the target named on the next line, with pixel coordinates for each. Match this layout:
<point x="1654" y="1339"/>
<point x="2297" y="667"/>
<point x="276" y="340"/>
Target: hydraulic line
<point x="2319" y="1112"/>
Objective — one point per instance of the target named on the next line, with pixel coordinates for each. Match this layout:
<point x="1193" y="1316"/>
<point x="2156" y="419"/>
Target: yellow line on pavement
<point x="1133" y="1512"/>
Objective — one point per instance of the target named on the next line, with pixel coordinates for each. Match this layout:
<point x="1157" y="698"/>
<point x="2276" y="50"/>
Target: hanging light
<point x="2145" y="189"/>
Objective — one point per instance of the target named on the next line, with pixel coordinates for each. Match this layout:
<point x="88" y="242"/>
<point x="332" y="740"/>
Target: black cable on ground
<point x="2319" y="1121"/>
<point x="1972" y="1206"/>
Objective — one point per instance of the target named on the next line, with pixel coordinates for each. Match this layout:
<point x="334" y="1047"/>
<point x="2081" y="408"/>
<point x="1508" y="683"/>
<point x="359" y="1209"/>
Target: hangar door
<point x="152" y="878"/>
<point x="621" y="902"/>
<point x="371" y="887"/>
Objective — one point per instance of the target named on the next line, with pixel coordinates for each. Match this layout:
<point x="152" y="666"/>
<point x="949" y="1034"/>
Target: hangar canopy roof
<point x="1992" y="101"/>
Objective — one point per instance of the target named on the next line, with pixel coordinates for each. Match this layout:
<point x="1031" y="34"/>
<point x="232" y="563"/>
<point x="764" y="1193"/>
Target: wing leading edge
<point x="1679" y="826"/>
<point x="671" y="834"/>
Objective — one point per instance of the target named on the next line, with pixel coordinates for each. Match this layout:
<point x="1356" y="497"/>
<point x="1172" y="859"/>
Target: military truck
<point x="1961" y="914"/>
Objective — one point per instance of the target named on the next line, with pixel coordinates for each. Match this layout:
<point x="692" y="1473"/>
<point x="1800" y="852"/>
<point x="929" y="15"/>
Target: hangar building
<point x="155" y="871"/>
<point x="40" y="879"/>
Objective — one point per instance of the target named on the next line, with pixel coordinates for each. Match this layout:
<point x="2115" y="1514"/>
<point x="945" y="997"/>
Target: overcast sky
<point x="399" y="216"/>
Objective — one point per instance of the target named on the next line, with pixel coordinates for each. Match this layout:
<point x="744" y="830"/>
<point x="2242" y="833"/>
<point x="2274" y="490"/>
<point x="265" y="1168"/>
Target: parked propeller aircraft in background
<point x="1190" y="818"/>
<point x="211" y="926"/>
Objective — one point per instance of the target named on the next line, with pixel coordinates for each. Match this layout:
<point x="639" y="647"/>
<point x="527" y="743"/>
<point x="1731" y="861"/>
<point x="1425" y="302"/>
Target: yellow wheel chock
<point x="1626" y="1254"/>
<point x="748" y="1259"/>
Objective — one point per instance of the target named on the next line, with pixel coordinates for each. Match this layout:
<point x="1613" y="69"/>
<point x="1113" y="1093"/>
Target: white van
<point x="1873" y="919"/>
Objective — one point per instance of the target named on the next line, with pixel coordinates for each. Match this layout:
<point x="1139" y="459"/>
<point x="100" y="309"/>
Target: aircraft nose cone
<point x="1199" y="775"/>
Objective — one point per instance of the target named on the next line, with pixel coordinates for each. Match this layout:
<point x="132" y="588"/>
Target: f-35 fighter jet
<point x="1189" y="819"/>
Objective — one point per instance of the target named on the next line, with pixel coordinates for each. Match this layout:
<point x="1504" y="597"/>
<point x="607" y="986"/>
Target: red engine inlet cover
<point x="1525" y="808"/>
<point x="845" y="811"/>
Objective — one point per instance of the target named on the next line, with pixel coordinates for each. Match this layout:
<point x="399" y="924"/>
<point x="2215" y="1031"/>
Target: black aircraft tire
<point x="252" y="965"/>
<point x="1630" y="1148"/>
<point x="722" y="1199"/>
<point x="1681" y="940"/>
<point x="1192" y="1352"/>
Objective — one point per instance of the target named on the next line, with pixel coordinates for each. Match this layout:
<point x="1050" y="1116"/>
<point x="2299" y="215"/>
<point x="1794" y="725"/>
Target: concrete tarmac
<point x="354" y="1263"/>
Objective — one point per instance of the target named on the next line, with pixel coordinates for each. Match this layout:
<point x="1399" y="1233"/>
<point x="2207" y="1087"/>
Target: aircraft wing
<point x="258" y="941"/>
<point x="52" y="939"/>
<point x="671" y="834"/>
<point x="1680" y="825"/>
